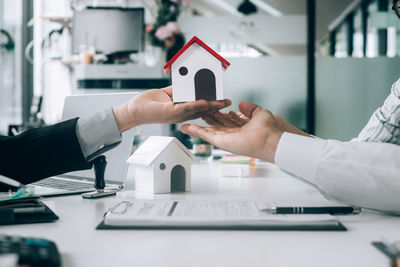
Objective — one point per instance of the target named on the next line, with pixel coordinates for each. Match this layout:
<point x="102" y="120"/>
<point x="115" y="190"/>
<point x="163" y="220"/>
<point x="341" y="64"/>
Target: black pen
<point x="313" y="210"/>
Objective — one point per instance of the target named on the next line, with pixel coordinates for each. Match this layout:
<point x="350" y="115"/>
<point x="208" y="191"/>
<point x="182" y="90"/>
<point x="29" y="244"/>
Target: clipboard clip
<point x="120" y="208"/>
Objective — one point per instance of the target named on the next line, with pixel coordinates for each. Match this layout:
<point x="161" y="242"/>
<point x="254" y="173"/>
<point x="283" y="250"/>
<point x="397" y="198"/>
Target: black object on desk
<point x="21" y="211"/>
<point x="33" y="252"/>
<point x="392" y="254"/>
<point x="313" y="210"/>
<point x="99" y="165"/>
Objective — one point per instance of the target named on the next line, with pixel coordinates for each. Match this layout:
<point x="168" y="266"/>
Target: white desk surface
<point x="81" y="245"/>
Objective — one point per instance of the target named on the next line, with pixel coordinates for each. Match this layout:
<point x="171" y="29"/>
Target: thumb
<point x="249" y="109"/>
<point x="168" y="91"/>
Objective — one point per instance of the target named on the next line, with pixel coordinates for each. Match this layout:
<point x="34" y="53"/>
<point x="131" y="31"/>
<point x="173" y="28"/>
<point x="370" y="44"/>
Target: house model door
<point x="178" y="179"/>
<point x="204" y="85"/>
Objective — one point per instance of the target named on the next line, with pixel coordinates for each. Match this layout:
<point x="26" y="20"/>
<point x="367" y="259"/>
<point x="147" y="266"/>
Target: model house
<point x="196" y="72"/>
<point x="161" y="165"/>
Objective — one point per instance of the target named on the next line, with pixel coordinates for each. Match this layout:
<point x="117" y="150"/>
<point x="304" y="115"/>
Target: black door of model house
<point x="204" y="85"/>
<point x="178" y="179"/>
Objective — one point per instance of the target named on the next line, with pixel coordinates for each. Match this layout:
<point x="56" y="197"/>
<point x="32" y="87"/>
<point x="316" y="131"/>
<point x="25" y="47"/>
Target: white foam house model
<point x="196" y="73"/>
<point x="161" y="165"/>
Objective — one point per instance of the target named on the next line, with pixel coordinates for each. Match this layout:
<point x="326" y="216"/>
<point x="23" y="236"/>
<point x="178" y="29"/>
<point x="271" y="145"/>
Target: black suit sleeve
<point x="40" y="153"/>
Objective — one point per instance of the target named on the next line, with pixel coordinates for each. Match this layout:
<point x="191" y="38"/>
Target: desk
<point x="82" y="245"/>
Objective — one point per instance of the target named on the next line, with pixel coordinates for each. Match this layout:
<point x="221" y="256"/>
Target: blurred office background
<point x="323" y="65"/>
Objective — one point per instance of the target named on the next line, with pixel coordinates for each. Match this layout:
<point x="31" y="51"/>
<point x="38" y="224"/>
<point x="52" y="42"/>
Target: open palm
<point x="256" y="137"/>
<point x="156" y="106"/>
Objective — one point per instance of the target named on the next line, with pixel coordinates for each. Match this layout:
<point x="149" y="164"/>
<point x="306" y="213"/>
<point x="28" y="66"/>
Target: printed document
<point x="204" y="213"/>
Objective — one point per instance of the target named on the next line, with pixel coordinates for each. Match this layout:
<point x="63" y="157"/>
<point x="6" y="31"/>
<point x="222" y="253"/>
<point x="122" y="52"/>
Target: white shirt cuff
<point x="98" y="132"/>
<point x="299" y="155"/>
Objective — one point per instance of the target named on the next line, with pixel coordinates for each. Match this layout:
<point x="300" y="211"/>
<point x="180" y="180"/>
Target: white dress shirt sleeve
<point x="98" y="133"/>
<point x="384" y="124"/>
<point x="364" y="174"/>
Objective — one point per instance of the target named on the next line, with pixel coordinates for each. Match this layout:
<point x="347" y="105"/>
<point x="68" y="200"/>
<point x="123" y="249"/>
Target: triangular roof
<point x="153" y="147"/>
<point x="225" y="63"/>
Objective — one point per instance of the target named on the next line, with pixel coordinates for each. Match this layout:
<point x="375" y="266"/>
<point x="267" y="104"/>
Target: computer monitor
<point x="109" y="30"/>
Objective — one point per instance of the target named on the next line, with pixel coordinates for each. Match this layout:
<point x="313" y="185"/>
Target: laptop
<point x="116" y="170"/>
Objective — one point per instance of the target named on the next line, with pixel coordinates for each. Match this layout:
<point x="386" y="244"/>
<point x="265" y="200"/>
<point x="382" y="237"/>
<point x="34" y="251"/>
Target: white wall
<point x="275" y="83"/>
<point x="348" y="91"/>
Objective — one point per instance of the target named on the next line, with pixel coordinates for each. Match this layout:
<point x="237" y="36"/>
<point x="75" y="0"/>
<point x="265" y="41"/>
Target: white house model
<point x="161" y="165"/>
<point x="196" y="72"/>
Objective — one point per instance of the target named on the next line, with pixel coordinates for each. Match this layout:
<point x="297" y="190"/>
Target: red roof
<point x="225" y="63"/>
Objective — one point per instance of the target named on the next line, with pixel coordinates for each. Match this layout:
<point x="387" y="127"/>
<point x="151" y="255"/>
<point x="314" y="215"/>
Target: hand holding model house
<point x="162" y="164"/>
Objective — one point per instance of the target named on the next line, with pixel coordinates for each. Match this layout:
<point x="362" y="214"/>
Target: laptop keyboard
<point x="64" y="184"/>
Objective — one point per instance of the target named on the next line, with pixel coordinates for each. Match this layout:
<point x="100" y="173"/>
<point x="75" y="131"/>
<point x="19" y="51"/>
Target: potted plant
<point x="165" y="32"/>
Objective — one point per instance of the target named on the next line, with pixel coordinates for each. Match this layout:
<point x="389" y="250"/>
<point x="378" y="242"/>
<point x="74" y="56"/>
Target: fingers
<point x="224" y="119"/>
<point x="230" y="119"/>
<point x="239" y="119"/>
<point x="179" y="112"/>
<point x="192" y="116"/>
<point x="219" y="104"/>
<point x="227" y="102"/>
<point x="205" y="133"/>
<point x="247" y="108"/>
<point x="202" y="107"/>
<point x="190" y="111"/>
<point x="211" y="120"/>
<point x="219" y="136"/>
<point x="198" y="106"/>
<point x="212" y="105"/>
<point x="215" y="104"/>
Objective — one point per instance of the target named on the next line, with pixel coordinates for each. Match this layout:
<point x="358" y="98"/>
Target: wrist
<point x="287" y="127"/>
<point x="271" y="146"/>
<point x="124" y="117"/>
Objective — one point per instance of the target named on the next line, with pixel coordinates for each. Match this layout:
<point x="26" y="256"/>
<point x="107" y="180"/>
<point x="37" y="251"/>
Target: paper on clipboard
<point x="207" y="213"/>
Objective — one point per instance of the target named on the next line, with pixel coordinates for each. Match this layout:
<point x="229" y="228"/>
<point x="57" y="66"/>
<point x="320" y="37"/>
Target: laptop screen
<point x="86" y="105"/>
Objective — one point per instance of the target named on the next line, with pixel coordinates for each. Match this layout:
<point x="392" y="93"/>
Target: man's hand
<point x="233" y="119"/>
<point x="156" y="106"/>
<point x="253" y="132"/>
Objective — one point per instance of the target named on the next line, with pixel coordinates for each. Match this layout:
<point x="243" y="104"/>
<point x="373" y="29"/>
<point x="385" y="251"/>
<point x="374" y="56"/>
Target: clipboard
<point x="24" y="211"/>
<point x="168" y="215"/>
<point x="266" y="227"/>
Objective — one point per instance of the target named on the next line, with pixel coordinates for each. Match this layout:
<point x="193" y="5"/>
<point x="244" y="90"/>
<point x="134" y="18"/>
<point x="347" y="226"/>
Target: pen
<point x="313" y="210"/>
